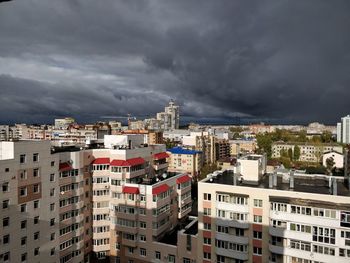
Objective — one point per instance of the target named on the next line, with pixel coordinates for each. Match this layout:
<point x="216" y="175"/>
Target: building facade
<point x="343" y="130"/>
<point x="184" y="160"/>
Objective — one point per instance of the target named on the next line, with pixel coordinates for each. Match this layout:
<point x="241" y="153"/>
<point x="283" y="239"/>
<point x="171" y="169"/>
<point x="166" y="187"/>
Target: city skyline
<point x="263" y="60"/>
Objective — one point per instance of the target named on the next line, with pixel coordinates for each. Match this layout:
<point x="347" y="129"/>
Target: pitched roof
<point x="101" y="161"/>
<point x="129" y="162"/>
<point x="183" y="179"/>
<point x="131" y="190"/>
<point x="65" y="167"/>
<point x="159" y="156"/>
<point x="160" y="189"/>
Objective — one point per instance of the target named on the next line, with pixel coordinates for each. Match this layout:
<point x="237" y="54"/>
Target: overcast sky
<point x="271" y="60"/>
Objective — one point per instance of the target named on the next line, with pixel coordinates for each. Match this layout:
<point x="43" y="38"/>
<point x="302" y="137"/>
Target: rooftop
<point x="315" y="184"/>
<point x="180" y="150"/>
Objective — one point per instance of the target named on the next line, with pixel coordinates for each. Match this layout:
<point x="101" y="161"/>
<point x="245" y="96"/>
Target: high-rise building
<point x="170" y="118"/>
<point x="246" y="216"/>
<point x="343" y="130"/>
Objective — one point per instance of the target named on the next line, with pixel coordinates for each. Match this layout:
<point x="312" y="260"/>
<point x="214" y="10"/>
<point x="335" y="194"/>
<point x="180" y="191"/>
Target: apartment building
<point x="170" y="118"/>
<point x="308" y="152"/>
<point x="222" y="149"/>
<point x="4" y="132"/>
<point x="248" y="216"/>
<point x="184" y="160"/>
<point x="343" y="130"/>
<point x="242" y="147"/>
<point x="29" y="218"/>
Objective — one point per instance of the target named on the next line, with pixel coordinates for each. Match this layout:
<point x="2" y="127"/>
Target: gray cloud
<point x="286" y="60"/>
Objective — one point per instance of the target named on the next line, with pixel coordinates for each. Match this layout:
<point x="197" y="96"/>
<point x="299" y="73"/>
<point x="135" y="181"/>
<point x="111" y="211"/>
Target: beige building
<point x="252" y="217"/>
<point x="184" y="160"/>
<point x="308" y="152"/>
<point x="242" y="147"/>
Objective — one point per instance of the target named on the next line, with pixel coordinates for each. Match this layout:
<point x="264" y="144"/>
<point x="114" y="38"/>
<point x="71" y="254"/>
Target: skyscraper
<point x="173" y="111"/>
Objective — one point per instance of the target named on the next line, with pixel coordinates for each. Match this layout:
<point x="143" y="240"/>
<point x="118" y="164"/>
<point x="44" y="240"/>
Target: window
<point x="143" y="238"/>
<point x="323" y="250"/>
<point x="35" y="157"/>
<point x="257" y="219"/>
<point x="36" y="188"/>
<point x="23" y="224"/>
<point x="22" y="158"/>
<point x="257" y="203"/>
<point x="52" y="207"/>
<point x="23" y="175"/>
<point x="5" y="187"/>
<point x="158" y="255"/>
<point x="142" y="198"/>
<point x="257" y="250"/>
<point x="323" y="235"/>
<point x="301" y="245"/>
<point x="6" y="239"/>
<point x="52" y="177"/>
<point x="52" y="236"/>
<point x="24" y="257"/>
<point x="207" y="211"/>
<point x="5" y="221"/>
<point x="52" y="192"/>
<point x="36" y="204"/>
<point x="142" y="224"/>
<point x="207" y="226"/>
<point x="36" y="172"/>
<point x="5" y="204"/>
<point x="23" y="208"/>
<point x="23" y="241"/>
<point x="207" y="196"/>
<point x="186" y="260"/>
<point x="36" y="251"/>
<point x="52" y="251"/>
<point x="23" y="191"/>
<point x="207" y="241"/>
<point x="7" y="170"/>
<point x="36" y="220"/>
<point x="52" y="163"/>
<point x="143" y="252"/>
<point x="52" y="221"/>
<point x="206" y="255"/>
<point x="300" y="228"/>
<point x="36" y="235"/>
<point x="257" y="234"/>
<point x="142" y="211"/>
<point x="171" y="258"/>
<point x="130" y="250"/>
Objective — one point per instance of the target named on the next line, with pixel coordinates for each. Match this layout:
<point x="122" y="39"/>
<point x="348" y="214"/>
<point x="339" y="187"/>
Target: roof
<point x="183" y="179"/>
<point x="160" y="189"/>
<point x="65" y="167"/>
<point x="101" y="161"/>
<point x="129" y="162"/>
<point x="159" y="156"/>
<point x="131" y="190"/>
<point x="180" y="150"/>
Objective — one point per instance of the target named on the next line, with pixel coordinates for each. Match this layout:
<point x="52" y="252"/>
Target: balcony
<point x="123" y="215"/>
<point x="276" y="249"/>
<point x="161" y="166"/>
<point x="129" y="243"/>
<point x="277" y="231"/>
<point x="232" y="207"/>
<point x="185" y="212"/>
<point x="125" y="229"/>
<point x="232" y="223"/>
<point x="160" y="230"/>
<point x="244" y="240"/>
<point x="231" y="254"/>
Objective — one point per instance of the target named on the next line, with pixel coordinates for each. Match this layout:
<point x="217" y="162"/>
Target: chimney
<point x="291" y="180"/>
<point x="335" y="186"/>
<point x="270" y="180"/>
<point x="274" y="179"/>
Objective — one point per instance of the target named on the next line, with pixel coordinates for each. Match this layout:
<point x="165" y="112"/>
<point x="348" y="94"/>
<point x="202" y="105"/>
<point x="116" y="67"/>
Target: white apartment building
<point x="308" y="152"/>
<point x="279" y="218"/>
<point x="343" y="130"/>
<point x="170" y="118"/>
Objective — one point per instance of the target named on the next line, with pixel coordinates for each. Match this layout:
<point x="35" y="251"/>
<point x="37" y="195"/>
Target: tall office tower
<point x="343" y="130"/>
<point x="246" y="216"/>
<point x="173" y="111"/>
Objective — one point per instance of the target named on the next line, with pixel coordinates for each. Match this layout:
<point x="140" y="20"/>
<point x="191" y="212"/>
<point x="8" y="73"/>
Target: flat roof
<point x="305" y="184"/>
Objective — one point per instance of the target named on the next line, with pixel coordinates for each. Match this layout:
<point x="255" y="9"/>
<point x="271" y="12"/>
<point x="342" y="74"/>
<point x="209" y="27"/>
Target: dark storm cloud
<point x="262" y="59"/>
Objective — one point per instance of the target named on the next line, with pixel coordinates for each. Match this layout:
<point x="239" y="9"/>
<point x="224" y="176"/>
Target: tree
<point x="296" y="153"/>
<point x="326" y="137"/>
<point x="290" y="154"/>
<point x="329" y="164"/>
<point x="207" y="169"/>
<point x="284" y="153"/>
<point x="264" y="142"/>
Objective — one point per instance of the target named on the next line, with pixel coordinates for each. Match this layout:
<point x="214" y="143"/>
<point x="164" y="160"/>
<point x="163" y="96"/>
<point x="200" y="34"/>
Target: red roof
<point x="159" y="156"/>
<point x="183" y="179"/>
<point x="160" y="189"/>
<point x="101" y="161"/>
<point x="65" y="167"/>
<point x="128" y="163"/>
<point x="131" y="190"/>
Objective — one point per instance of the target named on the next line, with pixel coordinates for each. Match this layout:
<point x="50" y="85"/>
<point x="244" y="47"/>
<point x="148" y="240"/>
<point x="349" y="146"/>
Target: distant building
<point x="242" y="146"/>
<point x="63" y="124"/>
<point x="343" y="130"/>
<point x="308" y="152"/>
<point x="4" y="132"/>
<point x="170" y="118"/>
<point x="184" y="160"/>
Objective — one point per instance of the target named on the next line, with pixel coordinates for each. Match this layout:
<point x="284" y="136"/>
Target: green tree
<point x="296" y="153"/>
<point x="329" y="164"/>
<point x="207" y="169"/>
<point x="284" y="153"/>
<point x="264" y="142"/>
<point x="326" y="137"/>
<point x="290" y="154"/>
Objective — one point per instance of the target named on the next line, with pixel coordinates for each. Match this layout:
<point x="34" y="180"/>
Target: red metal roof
<point x="101" y="161"/>
<point x="183" y="179"/>
<point x="128" y="163"/>
<point x="160" y="189"/>
<point x="65" y="167"/>
<point x="131" y="190"/>
<point x="159" y="156"/>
